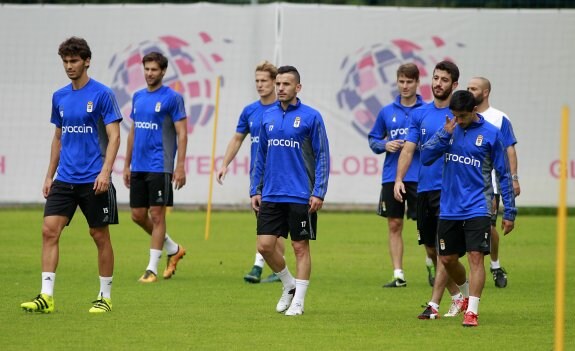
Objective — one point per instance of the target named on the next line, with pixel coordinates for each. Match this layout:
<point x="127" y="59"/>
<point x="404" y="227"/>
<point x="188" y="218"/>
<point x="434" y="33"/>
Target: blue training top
<point x="293" y="155"/>
<point x="155" y="139"/>
<point x="392" y="123"/>
<point x="425" y="121"/>
<point x="83" y="115"/>
<point x="469" y="156"/>
<point x="249" y="123"/>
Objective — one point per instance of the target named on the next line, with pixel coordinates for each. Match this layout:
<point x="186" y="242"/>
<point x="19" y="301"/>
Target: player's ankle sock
<point x="48" y="280"/>
<point x="105" y="287"/>
<point x="170" y="245"/>
<point x="155" y="256"/>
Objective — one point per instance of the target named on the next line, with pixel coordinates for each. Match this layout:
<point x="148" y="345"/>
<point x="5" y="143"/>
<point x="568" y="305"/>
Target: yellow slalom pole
<point x="213" y="161"/>
<point x="561" y="235"/>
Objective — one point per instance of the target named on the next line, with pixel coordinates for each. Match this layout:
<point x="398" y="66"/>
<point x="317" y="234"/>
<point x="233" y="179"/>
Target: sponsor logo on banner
<point x="193" y="70"/>
<point x="369" y="75"/>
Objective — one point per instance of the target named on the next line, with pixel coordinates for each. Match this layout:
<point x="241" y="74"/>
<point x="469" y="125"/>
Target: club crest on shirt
<point x="90" y="106"/>
<point x="442" y="244"/>
<point x="296" y="122"/>
<point x="271" y="127"/>
<point x="158" y="106"/>
<point x="393" y="119"/>
<point x="479" y="140"/>
<point x="61" y="113"/>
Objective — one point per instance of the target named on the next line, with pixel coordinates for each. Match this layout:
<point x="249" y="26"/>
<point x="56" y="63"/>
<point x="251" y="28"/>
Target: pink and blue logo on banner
<point x="192" y="71"/>
<point x="370" y="76"/>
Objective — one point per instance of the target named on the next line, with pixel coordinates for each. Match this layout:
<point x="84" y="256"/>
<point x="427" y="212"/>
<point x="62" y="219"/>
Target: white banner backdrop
<point x="347" y="57"/>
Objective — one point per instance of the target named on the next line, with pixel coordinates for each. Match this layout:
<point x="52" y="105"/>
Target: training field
<point x="207" y="306"/>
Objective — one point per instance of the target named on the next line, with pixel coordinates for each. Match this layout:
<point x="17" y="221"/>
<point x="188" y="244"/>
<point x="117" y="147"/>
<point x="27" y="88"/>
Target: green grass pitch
<point x="207" y="306"/>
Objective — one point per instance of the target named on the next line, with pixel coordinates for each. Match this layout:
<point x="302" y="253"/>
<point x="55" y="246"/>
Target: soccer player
<point x="388" y="135"/>
<point x="470" y="149"/>
<point x="83" y="150"/>
<point x="249" y="122"/>
<point x="425" y="121"/>
<point x="292" y="163"/>
<point x="481" y="89"/>
<point x="158" y="130"/>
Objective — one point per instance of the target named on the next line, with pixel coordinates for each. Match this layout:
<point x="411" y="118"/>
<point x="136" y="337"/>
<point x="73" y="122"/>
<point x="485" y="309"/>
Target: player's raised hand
<point x="449" y="125"/>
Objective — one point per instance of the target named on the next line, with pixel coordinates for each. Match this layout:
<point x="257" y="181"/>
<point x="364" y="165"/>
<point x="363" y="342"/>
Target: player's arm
<point x="102" y="182"/>
<point x="256" y="178"/>
<point x="231" y="152"/>
<point x="376" y="137"/>
<point x="403" y="163"/>
<point x="320" y="145"/>
<point x="502" y="168"/>
<point x="54" y="160"/>
<point x="128" y="158"/>
<point x="179" y="176"/>
<point x="435" y="147"/>
<point x="509" y="139"/>
<point x="512" y="155"/>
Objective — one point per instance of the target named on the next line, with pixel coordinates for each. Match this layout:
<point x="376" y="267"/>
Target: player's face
<point x="153" y="74"/>
<point x="75" y="67"/>
<point x="287" y="88"/>
<point x="474" y="87"/>
<point x="442" y="84"/>
<point x="264" y="84"/>
<point x="465" y="118"/>
<point x="407" y="86"/>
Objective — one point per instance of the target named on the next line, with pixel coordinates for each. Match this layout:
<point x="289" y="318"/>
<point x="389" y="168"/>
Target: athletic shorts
<point x="461" y="236"/>
<point x="390" y="207"/>
<point x="151" y="189"/>
<point x="99" y="210"/>
<point x="495" y="209"/>
<point x="427" y="217"/>
<point x="279" y="218"/>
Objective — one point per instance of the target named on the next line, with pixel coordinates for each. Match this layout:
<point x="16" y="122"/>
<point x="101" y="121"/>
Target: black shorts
<point x="99" y="210"/>
<point x="390" y="207"/>
<point x="279" y="218"/>
<point x="495" y="209"/>
<point x="151" y="189"/>
<point x="427" y="217"/>
<point x="461" y="236"/>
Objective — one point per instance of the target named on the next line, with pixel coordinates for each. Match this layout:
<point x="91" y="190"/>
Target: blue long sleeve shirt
<point x="392" y="123"/>
<point x="293" y="155"/>
<point x="469" y="155"/>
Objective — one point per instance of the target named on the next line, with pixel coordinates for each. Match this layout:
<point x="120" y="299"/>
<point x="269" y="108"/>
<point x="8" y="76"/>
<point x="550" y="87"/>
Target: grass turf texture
<point x="207" y="306"/>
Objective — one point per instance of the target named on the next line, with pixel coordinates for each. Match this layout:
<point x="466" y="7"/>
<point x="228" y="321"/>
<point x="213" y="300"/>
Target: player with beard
<point x="425" y="121"/>
<point x="288" y="185"/>
<point x="158" y="131"/>
<point x="481" y="89"/>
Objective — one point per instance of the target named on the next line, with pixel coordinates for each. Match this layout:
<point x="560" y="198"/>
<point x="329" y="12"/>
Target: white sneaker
<point x="285" y="300"/>
<point x="295" y="309"/>
<point x="457" y="306"/>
